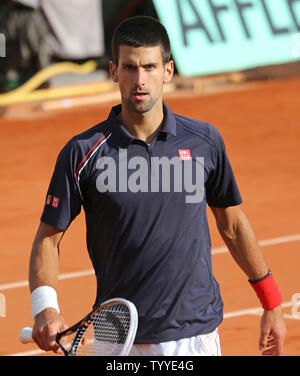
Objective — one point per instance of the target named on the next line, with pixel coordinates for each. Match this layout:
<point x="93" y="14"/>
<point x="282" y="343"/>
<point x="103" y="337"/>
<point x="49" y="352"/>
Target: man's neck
<point x="143" y="126"/>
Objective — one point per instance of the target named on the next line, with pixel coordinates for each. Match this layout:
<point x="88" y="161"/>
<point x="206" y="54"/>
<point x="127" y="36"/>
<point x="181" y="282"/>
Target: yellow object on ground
<point x="27" y="92"/>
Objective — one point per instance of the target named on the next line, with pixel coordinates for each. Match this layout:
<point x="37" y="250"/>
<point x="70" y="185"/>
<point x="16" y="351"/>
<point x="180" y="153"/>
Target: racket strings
<point x="105" y="334"/>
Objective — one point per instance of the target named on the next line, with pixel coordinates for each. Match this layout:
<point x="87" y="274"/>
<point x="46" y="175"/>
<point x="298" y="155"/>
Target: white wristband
<point x="43" y="297"/>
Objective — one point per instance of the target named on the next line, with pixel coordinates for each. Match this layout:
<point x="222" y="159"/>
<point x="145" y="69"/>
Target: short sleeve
<point x="63" y="201"/>
<point x="221" y="187"/>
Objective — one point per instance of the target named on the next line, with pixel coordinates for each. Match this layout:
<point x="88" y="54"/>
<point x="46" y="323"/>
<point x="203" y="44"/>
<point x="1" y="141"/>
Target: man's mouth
<point x="139" y="95"/>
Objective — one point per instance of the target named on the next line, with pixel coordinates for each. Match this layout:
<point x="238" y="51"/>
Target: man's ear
<point x="113" y="72"/>
<point x="169" y="71"/>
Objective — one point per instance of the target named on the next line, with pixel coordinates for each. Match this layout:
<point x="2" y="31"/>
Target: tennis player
<point x="144" y="177"/>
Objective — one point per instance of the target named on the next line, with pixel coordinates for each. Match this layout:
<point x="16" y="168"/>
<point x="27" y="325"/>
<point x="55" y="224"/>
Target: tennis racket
<point x="108" y="330"/>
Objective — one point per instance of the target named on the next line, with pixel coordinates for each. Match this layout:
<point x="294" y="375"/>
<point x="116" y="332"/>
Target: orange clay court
<point x="260" y="126"/>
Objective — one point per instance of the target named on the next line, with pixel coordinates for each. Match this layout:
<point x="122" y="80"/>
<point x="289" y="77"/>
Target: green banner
<point x="214" y="36"/>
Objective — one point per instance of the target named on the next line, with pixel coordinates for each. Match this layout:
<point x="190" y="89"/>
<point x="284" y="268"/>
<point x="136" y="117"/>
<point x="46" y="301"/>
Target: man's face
<point x="141" y="74"/>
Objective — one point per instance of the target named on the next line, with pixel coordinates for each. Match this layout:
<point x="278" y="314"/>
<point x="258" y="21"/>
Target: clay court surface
<point x="260" y="126"/>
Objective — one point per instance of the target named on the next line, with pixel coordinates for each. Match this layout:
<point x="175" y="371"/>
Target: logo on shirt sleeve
<point x="52" y="201"/>
<point x="49" y="200"/>
<point x="185" y="154"/>
<point x="55" y="202"/>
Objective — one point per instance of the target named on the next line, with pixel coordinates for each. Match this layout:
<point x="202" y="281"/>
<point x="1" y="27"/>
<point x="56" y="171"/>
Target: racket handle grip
<point x="25" y="335"/>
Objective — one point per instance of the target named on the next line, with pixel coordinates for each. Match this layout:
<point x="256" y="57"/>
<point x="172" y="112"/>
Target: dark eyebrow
<point x="150" y="65"/>
<point x="129" y="65"/>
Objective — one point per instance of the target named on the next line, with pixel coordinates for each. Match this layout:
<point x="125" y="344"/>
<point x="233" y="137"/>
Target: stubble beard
<point x="142" y="106"/>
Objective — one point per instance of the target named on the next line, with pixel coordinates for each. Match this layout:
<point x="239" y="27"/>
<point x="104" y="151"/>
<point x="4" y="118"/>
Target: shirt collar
<point x="123" y="138"/>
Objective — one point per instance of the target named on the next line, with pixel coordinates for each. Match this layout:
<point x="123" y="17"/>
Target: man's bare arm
<point x="241" y="241"/>
<point x="43" y="271"/>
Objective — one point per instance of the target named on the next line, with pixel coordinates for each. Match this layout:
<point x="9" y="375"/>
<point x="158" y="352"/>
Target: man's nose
<point x="140" y="77"/>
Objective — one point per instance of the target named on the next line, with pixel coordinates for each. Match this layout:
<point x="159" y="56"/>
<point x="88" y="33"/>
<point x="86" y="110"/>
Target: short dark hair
<point x="141" y="31"/>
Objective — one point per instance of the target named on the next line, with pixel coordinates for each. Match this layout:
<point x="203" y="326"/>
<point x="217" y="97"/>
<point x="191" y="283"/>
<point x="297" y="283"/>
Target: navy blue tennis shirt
<point x="145" y="208"/>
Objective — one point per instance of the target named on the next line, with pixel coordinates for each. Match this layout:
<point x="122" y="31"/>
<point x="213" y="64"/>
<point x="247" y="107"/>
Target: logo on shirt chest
<point x="185" y="154"/>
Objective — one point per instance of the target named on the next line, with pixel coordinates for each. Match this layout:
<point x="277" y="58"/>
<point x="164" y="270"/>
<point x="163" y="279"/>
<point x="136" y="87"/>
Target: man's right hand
<point x="47" y="324"/>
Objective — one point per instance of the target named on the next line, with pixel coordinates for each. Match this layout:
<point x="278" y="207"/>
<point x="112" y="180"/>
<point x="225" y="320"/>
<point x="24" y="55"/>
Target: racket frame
<point x="80" y="327"/>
